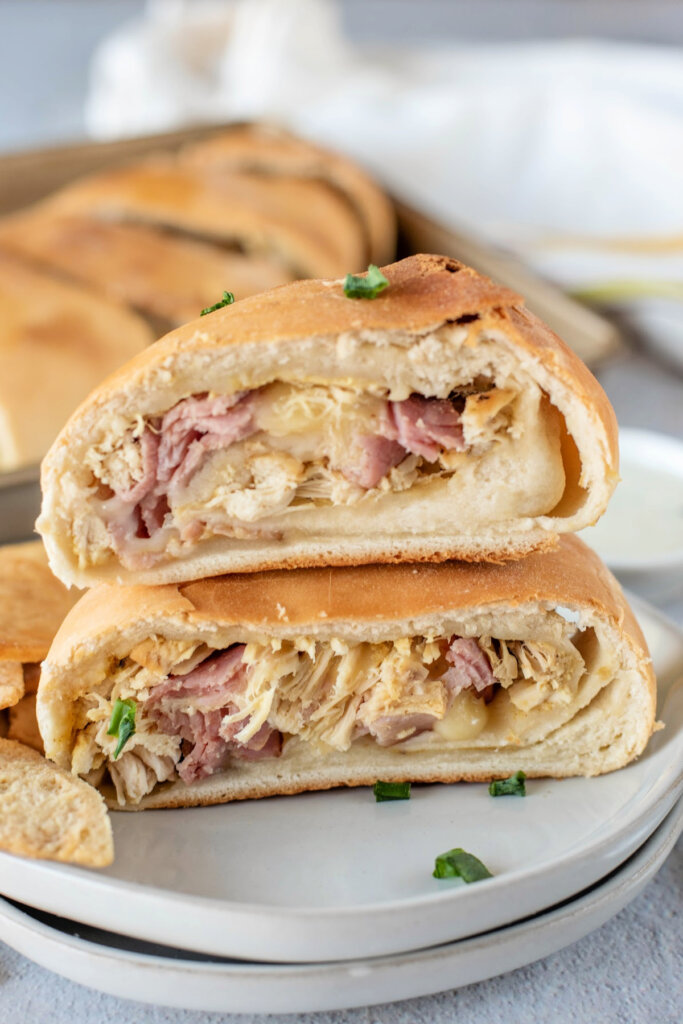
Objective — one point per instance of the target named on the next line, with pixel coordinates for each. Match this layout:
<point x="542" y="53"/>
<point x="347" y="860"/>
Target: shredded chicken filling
<point x="201" y="711"/>
<point x="221" y="464"/>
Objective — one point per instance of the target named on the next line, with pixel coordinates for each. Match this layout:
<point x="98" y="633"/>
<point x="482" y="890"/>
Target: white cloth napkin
<point x="569" y="153"/>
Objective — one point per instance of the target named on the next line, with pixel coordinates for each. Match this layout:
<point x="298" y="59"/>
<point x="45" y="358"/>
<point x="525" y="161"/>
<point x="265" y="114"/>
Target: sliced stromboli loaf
<point x="302" y="223"/>
<point x="244" y="210"/>
<point x="301" y="427"/>
<point x="58" y="340"/>
<point x="254" y="685"/>
<point x="167" y="277"/>
<point x="263" y="149"/>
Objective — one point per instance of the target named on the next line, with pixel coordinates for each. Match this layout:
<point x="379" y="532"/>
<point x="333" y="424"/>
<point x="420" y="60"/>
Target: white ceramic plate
<point x="332" y="876"/>
<point x="155" y="974"/>
<point x="642" y="530"/>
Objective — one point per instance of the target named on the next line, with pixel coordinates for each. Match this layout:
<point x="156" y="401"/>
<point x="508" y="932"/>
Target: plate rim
<point x="598" y="904"/>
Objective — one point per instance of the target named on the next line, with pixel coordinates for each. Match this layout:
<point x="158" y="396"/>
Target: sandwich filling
<point x="198" y="710"/>
<point x="252" y="464"/>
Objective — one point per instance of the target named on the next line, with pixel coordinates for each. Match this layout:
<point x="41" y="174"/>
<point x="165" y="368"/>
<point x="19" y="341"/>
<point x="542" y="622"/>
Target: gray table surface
<point x="629" y="970"/>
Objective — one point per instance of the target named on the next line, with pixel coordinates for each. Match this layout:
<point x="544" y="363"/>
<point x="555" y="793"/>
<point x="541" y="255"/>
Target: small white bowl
<point x="640" y="536"/>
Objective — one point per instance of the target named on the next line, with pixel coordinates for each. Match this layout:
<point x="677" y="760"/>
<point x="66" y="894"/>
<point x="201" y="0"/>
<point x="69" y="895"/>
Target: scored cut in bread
<point x="307" y="226"/>
<point x="256" y="685"/>
<point x="266" y="149"/>
<point x="165" y="276"/>
<point x="301" y="427"/>
<point x="243" y="210"/>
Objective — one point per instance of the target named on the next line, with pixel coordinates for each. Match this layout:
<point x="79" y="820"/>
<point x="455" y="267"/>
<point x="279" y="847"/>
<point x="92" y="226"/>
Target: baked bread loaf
<point x="244" y="210"/>
<point x="301" y="427"/>
<point x="165" y="276"/>
<point x="252" y="685"/>
<point x="57" y="341"/>
<point x="266" y="149"/>
<point x="300" y="222"/>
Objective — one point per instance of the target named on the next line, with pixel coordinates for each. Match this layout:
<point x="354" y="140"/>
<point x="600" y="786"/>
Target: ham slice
<point x="470" y="667"/>
<point x="152" y="511"/>
<point x="391" y="729"/>
<point x="171" y="453"/>
<point x="376" y="455"/>
<point x="214" y="680"/>
<point x="266" y="742"/>
<point x="425" y="426"/>
<point x="195" y="707"/>
<point x="149" y="447"/>
<point x="198" y="425"/>
<point x="417" y="425"/>
<point x="209" y="753"/>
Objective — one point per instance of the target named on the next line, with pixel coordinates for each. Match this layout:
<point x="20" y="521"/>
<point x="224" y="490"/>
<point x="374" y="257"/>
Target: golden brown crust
<point x="425" y="291"/>
<point x="570" y="574"/>
<point x="33" y="603"/>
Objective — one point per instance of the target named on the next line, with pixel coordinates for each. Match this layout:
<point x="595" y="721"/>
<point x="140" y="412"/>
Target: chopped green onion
<point x="367" y="286"/>
<point x="227" y="300"/>
<point x="460" y="864"/>
<point x="122" y="723"/>
<point x="513" y="786"/>
<point x="391" y="791"/>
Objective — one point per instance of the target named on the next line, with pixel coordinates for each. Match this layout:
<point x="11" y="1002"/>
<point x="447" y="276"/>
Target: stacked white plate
<point x="327" y="900"/>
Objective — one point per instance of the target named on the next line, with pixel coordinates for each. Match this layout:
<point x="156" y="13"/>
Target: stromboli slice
<point x="301" y="427"/>
<point x="255" y="685"/>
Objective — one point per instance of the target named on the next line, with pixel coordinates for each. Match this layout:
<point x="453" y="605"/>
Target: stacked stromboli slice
<point x="328" y="538"/>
